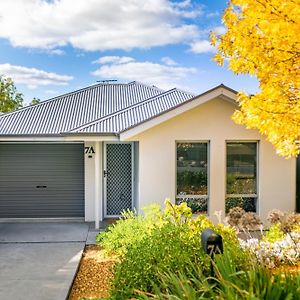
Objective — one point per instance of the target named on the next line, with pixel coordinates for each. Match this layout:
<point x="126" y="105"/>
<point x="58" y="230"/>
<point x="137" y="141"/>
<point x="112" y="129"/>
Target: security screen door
<point x="118" y="178"/>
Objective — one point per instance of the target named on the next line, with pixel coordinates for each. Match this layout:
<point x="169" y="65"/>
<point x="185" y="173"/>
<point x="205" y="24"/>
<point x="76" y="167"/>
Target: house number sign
<point x="89" y="151"/>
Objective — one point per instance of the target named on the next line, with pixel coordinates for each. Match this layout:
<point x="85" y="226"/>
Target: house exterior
<point x="94" y="152"/>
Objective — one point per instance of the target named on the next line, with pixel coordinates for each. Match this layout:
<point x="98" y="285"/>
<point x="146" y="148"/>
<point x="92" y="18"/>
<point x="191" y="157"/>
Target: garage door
<point x="41" y="180"/>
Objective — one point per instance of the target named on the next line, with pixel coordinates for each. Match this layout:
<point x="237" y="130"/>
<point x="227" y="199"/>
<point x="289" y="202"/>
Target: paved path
<point x="38" y="261"/>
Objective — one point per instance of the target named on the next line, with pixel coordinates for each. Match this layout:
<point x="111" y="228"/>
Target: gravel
<point x="93" y="279"/>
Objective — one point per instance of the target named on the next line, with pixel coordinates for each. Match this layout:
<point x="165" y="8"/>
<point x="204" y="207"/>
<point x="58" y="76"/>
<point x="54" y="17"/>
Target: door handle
<point x="105" y="173"/>
<point x="41" y="186"/>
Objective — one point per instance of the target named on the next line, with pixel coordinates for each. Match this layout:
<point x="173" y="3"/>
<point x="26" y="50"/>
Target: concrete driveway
<point x="38" y="261"/>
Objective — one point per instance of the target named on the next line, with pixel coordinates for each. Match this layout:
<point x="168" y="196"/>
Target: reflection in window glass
<point x="192" y="176"/>
<point x="191" y="169"/>
<point x="241" y="176"/>
<point x="241" y="168"/>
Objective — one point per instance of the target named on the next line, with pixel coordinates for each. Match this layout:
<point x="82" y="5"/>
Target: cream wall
<point x="210" y="122"/>
<point x="89" y="169"/>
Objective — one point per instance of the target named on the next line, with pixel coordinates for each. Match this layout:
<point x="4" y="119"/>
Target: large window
<point x="192" y="175"/>
<point x="241" y="183"/>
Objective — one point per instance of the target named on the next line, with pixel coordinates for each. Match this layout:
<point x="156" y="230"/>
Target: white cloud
<point x="58" y="52"/>
<point x="97" y="24"/>
<point x="169" y="61"/>
<point x="202" y="46"/>
<point x="113" y="59"/>
<point x="32" y="77"/>
<point x="213" y="14"/>
<point x="219" y="30"/>
<point x="51" y="92"/>
<point x="162" y="75"/>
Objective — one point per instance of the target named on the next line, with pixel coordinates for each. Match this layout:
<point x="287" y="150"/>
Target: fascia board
<point x="221" y="92"/>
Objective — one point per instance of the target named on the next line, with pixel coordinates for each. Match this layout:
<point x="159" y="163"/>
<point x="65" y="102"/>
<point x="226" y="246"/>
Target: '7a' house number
<point x="89" y="150"/>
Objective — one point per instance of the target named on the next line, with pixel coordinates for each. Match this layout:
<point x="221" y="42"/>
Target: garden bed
<point x="94" y="275"/>
<point x="151" y="261"/>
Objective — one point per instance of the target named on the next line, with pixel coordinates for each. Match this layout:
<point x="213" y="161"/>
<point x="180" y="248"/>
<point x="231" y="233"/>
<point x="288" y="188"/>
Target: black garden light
<point x="212" y="243"/>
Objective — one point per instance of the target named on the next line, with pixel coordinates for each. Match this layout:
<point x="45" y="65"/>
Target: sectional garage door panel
<point x="41" y="180"/>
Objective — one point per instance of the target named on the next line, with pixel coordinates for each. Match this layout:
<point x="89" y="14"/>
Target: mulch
<point x="95" y="274"/>
<point x="93" y="279"/>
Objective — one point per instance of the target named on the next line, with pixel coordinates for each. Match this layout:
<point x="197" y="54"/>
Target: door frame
<point x="105" y="177"/>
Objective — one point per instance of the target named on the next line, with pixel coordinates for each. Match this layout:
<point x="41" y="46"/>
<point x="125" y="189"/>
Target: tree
<point x="10" y="99"/>
<point x="35" y="101"/>
<point x="262" y="39"/>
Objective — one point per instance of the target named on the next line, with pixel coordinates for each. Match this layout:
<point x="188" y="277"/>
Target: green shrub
<point x="256" y="283"/>
<point x="274" y="234"/>
<point x="172" y="248"/>
<point x="166" y="249"/>
<point x="160" y="242"/>
<point x="129" y="230"/>
<point x="189" y="285"/>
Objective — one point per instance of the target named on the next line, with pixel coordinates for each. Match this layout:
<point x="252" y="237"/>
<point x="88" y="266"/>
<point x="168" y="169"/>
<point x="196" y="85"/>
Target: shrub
<point x="159" y="242"/>
<point x="234" y="216"/>
<point x="274" y="254"/>
<point x="129" y="230"/>
<point x="246" y="221"/>
<point x="288" y="222"/>
<point x="281" y="243"/>
<point x="228" y="283"/>
<point x="166" y="249"/>
<point x="250" y="221"/>
<point x="169" y="248"/>
<point x="274" y="234"/>
<point x="275" y="216"/>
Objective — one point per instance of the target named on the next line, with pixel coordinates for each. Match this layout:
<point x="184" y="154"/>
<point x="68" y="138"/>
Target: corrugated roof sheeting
<point x="136" y="114"/>
<point x="63" y="113"/>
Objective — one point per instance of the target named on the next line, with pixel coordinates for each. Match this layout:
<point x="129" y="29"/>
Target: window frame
<point x="207" y="142"/>
<point x="256" y="195"/>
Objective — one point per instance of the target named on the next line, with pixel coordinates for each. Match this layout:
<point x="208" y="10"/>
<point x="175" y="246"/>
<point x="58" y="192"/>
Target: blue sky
<point x="57" y="46"/>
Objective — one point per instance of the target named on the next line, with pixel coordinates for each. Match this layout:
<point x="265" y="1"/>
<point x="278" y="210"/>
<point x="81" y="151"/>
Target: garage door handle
<point x="41" y="186"/>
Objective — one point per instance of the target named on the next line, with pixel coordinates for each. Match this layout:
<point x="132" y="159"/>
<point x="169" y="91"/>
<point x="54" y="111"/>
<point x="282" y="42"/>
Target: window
<point x="192" y="175"/>
<point x="241" y="182"/>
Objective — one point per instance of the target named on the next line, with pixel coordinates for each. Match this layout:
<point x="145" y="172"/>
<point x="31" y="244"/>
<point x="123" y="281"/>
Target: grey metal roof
<point x="136" y="114"/>
<point x="72" y="110"/>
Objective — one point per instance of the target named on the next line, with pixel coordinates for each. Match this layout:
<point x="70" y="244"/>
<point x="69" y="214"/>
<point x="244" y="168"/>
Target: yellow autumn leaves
<point x="263" y="39"/>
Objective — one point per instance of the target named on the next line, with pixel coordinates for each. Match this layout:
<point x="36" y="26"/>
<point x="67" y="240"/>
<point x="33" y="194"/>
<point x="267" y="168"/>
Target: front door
<point x="118" y="178"/>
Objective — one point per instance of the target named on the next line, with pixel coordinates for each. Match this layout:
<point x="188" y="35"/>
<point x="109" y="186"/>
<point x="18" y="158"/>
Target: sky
<point x="52" y="47"/>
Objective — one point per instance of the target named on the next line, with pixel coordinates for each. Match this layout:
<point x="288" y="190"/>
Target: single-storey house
<point x="96" y="151"/>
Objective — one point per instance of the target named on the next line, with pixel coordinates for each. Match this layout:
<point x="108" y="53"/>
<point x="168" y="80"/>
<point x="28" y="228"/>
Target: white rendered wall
<point x="90" y="182"/>
<point x="211" y="122"/>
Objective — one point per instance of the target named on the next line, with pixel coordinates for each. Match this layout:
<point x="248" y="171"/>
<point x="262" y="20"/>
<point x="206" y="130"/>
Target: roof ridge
<point x="56" y="98"/>
<point x="220" y="86"/>
<point x="146" y="85"/>
<point x="122" y="110"/>
<point x="186" y="92"/>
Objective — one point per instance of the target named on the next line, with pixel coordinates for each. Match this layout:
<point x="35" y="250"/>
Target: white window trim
<point x="256" y="195"/>
<point x="178" y="196"/>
